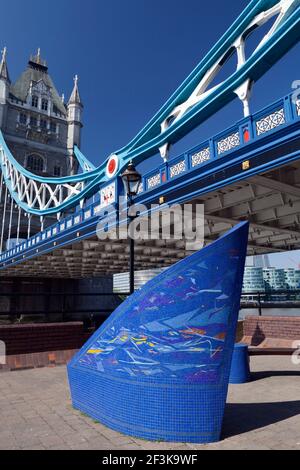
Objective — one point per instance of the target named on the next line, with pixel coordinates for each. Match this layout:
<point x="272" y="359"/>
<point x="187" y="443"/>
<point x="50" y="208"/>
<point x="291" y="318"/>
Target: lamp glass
<point x="131" y="180"/>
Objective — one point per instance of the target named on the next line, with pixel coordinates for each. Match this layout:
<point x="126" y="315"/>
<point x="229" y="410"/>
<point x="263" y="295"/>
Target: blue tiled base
<point x="240" y="367"/>
<point x="169" y="412"/>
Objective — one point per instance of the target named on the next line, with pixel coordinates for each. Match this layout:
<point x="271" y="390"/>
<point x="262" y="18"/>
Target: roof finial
<point x="63" y="98"/>
<point x="75" y="97"/>
<point x="3" y="66"/>
<point x="4" y="52"/>
<point x="36" y="60"/>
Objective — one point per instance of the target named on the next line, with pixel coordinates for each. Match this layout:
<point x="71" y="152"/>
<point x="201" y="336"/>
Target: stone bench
<point x="271" y="335"/>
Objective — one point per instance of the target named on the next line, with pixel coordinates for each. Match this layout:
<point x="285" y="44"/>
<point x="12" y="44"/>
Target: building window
<point x="35" y="163"/>
<point x="33" y="121"/>
<point x="35" y="101"/>
<point x="23" y="118"/>
<point x="43" y="124"/>
<point x="57" y="170"/>
<point x="56" y="110"/>
<point x="44" y="104"/>
<point x="53" y="127"/>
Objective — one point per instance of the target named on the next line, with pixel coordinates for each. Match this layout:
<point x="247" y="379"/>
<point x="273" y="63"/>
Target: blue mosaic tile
<point x="159" y="367"/>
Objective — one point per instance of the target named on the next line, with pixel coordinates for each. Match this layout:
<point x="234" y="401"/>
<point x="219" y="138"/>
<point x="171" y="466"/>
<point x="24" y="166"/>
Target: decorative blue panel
<point x="159" y="367"/>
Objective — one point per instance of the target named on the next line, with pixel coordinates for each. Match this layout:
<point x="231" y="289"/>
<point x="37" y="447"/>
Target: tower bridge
<point x="250" y="170"/>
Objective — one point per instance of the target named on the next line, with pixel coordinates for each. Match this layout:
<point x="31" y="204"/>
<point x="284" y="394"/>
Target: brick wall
<point x="260" y="329"/>
<point x="39" y="359"/>
<point x="32" y="338"/>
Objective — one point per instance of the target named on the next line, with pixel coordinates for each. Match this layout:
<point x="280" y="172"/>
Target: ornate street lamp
<point x="131" y="180"/>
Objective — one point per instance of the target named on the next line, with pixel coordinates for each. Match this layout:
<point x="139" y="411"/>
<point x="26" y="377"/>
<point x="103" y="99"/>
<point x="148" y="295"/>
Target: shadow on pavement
<point x="240" y="418"/>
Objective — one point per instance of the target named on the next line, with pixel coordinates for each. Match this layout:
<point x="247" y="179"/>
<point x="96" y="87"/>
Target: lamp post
<point x="131" y="180"/>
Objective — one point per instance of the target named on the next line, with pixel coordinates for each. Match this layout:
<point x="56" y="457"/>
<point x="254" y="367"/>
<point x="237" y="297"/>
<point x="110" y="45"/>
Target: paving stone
<point x="128" y="447"/>
<point x="8" y="440"/>
<point x="82" y="446"/>
<point x="8" y="446"/>
<point x="74" y="438"/>
<point x="37" y="447"/>
<point x="121" y="441"/>
<point x="12" y="422"/>
<point x="51" y="440"/>
<point x="61" y="429"/>
<point x="28" y="444"/>
<point x="36" y="413"/>
<point x="42" y="431"/>
<point x="101" y="446"/>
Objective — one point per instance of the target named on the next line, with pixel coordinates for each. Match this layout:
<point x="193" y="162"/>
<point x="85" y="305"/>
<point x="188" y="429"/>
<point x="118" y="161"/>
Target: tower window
<point x="53" y="127"/>
<point x="23" y="118"/>
<point x="35" y="163"/>
<point x="34" y="101"/>
<point x="33" y="121"/>
<point x="44" y="104"/>
<point x="57" y="170"/>
<point x="43" y="124"/>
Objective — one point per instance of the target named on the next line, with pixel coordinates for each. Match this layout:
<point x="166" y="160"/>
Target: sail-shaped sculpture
<point x="158" y="368"/>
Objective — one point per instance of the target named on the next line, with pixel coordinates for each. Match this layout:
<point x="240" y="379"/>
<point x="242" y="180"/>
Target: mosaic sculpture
<point x="159" y="367"/>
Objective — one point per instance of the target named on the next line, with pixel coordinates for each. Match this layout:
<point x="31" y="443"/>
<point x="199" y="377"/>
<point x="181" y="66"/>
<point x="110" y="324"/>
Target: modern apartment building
<point x="258" y="279"/>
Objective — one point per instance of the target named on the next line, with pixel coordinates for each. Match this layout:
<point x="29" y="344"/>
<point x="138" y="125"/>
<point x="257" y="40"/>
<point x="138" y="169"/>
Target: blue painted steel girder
<point x="275" y="148"/>
<point x="147" y="142"/>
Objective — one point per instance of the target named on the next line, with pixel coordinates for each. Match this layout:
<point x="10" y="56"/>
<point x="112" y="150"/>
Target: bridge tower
<point x="40" y="130"/>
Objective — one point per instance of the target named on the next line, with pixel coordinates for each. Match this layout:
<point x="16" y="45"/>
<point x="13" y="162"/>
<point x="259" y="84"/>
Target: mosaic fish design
<point x="175" y="327"/>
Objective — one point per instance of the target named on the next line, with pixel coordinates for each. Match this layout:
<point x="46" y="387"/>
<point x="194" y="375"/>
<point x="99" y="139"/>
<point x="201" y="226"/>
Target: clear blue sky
<point x="130" y="55"/>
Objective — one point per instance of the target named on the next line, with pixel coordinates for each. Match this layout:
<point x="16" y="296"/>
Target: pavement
<point x="36" y="413"/>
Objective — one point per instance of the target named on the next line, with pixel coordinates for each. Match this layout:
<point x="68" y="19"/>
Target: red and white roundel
<point x="112" y="166"/>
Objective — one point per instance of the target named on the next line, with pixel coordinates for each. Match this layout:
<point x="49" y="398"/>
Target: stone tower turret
<point x="4" y="87"/>
<point x="75" y="107"/>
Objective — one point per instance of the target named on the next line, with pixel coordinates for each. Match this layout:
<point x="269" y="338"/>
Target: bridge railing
<point x="271" y="299"/>
<point x="70" y="222"/>
<point x="267" y="121"/>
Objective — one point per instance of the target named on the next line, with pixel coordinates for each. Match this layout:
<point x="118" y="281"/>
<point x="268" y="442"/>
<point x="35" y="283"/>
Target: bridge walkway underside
<point x="270" y="201"/>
